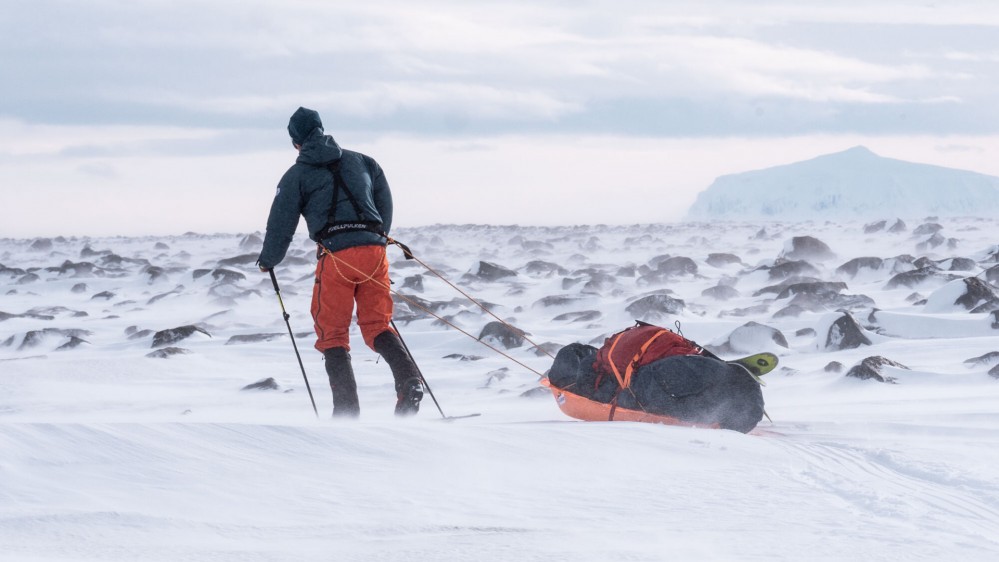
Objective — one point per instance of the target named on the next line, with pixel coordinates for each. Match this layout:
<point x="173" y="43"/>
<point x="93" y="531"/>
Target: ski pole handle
<point x="274" y="281"/>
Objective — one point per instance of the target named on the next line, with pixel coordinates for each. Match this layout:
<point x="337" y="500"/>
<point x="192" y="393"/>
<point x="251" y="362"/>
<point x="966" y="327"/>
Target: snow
<point x="847" y="185"/>
<point x="106" y="454"/>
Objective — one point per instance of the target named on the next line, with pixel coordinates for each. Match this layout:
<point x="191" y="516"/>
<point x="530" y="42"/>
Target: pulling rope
<point x="409" y="256"/>
<point x="419" y="306"/>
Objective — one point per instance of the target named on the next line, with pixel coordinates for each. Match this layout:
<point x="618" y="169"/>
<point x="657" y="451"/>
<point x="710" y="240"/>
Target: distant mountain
<point x="849" y="184"/>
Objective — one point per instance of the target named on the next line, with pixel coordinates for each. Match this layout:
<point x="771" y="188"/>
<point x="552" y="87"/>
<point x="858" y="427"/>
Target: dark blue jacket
<point x="307" y="190"/>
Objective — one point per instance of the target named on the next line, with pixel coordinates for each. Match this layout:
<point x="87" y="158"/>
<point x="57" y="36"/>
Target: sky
<point x="165" y="117"/>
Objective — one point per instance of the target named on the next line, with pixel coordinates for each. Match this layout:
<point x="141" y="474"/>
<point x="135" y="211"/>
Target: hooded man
<point x="347" y="206"/>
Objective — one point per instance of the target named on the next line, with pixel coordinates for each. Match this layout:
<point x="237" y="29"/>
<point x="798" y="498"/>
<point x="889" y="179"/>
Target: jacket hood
<point x="302" y="123"/>
<point x="319" y="149"/>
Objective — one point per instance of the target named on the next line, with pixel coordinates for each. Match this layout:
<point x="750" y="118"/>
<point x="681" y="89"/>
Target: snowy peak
<point x="848" y="184"/>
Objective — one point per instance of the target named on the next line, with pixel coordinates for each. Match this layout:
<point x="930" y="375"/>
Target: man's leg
<point x="374" y="313"/>
<point x="332" y="306"/>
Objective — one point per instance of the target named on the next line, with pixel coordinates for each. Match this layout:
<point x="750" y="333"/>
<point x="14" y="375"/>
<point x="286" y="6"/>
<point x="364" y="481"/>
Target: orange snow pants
<point x="353" y="274"/>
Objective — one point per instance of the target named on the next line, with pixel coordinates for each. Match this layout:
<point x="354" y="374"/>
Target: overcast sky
<point x="170" y="116"/>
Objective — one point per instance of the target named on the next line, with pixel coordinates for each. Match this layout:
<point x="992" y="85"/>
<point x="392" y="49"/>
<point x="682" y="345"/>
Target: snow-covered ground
<point x="109" y="454"/>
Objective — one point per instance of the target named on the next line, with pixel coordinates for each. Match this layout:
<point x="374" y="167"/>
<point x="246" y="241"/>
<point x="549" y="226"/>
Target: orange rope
<point x="430" y="312"/>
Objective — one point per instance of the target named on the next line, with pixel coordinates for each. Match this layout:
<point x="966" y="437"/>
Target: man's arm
<point x="282" y="221"/>
<point x="383" y="198"/>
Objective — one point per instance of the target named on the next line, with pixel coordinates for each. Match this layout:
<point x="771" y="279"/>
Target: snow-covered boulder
<point x="877" y="368"/>
<point x="969" y="294"/>
<point x="806" y="248"/>
<point x="838" y="331"/>
<point x="752" y="337"/>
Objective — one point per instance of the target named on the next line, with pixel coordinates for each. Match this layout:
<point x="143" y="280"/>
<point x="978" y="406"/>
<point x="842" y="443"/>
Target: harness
<point x="333" y="227"/>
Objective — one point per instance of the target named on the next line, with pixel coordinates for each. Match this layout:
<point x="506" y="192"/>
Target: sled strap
<point x="624" y="381"/>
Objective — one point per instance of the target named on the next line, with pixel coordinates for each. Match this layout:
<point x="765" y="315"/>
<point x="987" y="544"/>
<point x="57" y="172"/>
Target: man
<point x="347" y="206"/>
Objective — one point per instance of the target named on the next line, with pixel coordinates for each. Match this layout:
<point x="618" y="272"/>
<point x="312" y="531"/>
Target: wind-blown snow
<point x="846" y="185"/>
<point x="107" y="454"/>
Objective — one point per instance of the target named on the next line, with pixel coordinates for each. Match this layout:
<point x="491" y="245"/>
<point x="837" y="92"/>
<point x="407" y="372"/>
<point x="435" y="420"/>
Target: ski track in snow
<point x="108" y="455"/>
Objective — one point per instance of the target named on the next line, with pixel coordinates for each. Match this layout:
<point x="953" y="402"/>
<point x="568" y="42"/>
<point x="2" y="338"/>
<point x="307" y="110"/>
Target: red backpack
<point x="626" y="351"/>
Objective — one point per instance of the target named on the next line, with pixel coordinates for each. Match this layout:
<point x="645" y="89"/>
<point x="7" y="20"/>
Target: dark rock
<point x="536" y="392"/>
<point x="263" y="384"/>
<point x="990" y="358"/>
<point x="252" y="338"/>
<point x="805" y="332"/>
<point x="580" y="316"/>
<point x="992" y="274"/>
<point x="979" y="297"/>
<point x="557" y="300"/>
<point x="155" y="273"/>
<point x="853" y="267"/>
<point x="503" y="334"/>
<point x="72" y="343"/>
<point x="720" y="292"/>
<point x="599" y="283"/>
<point x="81" y="269"/>
<point x="677" y="266"/>
<point x="492" y="272"/>
<point x="785" y="269"/>
<point x="819" y="288"/>
<point x="995" y="319"/>
<point x="496" y="376"/>
<point x="872" y="367"/>
<point x="461" y="357"/>
<point x="41" y="245"/>
<point x="138" y="335"/>
<point x="845" y="333"/>
<point x="547" y="348"/>
<point x="898" y="227"/>
<point x="251" y="243"/>
<point x="174" y="335"/>
<point x="761" y="234"/>
<point x="721" y="260"/>
<point x="11" y="271"/>
<point x="929" y="228"/>
<point x="199" y="273"/>
<point x="79" y="288"/>
<point x="834" y="367"/>
<point x="807" y="247"/>
<point x="932" y="242"/>
<point x="160" y="246"/>
<point x="962" y="264"/>
<point x="871" y="228"/>
<point x="994" y="372"/>
<point x="413" y="283"/>
<point x="244" y="259"/>
<point x="167" y="352"/>
<point x="222" y="275"/>
<point x="88" y="252"/>
<point x="779" y="287"/>
<point x="915" y="297"/>
<point x="655" y="308"/>
<point x="28" y="279"/>
<point x="912" y="278"/>
<point x="754" y="310"/>
<point x="789" y="311"/>
<point x="626" y="271"/>
<point x="35" y="337"/>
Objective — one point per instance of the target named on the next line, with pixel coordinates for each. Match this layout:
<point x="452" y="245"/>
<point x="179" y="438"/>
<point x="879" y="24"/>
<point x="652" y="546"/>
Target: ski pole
<point x="422" y="378"/>
<point x="293" y="344"/>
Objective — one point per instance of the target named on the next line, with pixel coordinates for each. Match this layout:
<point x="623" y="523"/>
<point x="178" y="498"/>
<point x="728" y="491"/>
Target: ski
<point x="461" y="417"/>
<point x="758" y="364"/>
